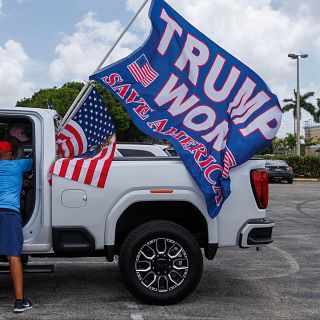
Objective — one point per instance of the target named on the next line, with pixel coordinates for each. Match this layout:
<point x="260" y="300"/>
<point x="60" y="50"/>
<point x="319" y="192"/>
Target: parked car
<point x="279" y="170"/>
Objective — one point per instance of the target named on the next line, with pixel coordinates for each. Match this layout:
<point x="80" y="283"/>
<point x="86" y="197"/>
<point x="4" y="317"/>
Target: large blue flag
<point x="183" y="87"/>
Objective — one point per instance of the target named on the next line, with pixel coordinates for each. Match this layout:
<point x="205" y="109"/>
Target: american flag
<point x="228" y="162"/>
<point x="142" y="71"/>
<point x="86" y="144"/>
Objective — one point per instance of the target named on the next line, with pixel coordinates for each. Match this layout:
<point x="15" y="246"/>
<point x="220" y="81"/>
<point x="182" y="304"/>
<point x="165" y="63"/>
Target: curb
<point x="306" y="179"/>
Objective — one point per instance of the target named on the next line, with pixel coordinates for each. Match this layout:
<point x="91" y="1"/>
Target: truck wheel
<point x="161" y="262"/>
<point x="290" y="181"/>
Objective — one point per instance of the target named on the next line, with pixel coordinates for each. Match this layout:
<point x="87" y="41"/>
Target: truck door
<point x="24" y="129"/>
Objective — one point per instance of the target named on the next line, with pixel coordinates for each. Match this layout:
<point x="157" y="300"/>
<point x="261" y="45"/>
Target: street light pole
<point x="298" y="111"/>
<point x="297" y="126"/>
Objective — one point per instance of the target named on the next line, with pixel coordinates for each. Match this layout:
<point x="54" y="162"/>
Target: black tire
<point x="290" y="181"/>
<point x="160" y="262"/>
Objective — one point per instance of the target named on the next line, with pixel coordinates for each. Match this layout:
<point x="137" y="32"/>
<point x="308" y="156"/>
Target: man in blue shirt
<point x="11" y="236"/>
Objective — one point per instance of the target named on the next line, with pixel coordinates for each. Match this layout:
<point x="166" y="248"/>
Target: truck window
<point x="19" y="132"/>
<point x="135" y="153"/>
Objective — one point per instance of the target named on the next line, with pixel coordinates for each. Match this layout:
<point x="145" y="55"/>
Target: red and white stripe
<point x="92" y="171"/>
<point x="228" y="162"/>
<point x="145" y="75"/>
<point x="72" y="141"/>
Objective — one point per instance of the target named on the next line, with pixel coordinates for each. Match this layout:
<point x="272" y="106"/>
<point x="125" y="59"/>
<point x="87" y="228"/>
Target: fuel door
<point x="72" y="198"/>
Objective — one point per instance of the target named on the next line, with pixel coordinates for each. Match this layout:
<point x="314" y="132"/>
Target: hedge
<point x="303" y="166"/>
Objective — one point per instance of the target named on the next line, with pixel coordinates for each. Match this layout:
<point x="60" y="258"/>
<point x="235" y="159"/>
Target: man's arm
<point x="25" y="165"/>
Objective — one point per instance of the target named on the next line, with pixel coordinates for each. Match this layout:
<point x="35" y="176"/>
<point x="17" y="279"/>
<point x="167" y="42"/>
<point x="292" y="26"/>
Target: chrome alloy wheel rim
<point x="162" y="264"/>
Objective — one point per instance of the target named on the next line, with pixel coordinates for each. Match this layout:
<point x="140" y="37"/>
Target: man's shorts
<point x="11" y="236"/>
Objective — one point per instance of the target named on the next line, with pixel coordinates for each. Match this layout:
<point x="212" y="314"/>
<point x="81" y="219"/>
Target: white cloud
<point x="142" y="22"/>
<point x="79" y="54"/>
<point x="0" y="6"/>
<point x="13" y="66"/>
<point x="301" y="10"/>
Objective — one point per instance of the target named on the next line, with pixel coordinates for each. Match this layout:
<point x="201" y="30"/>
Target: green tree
<point x="266" y="150"/>
<point x="279" y="145"/>
<point x="290" y="141"/>
<point x="62" y="98"/>
<point x="291" y="104"/>
<point x="284" y="145"/>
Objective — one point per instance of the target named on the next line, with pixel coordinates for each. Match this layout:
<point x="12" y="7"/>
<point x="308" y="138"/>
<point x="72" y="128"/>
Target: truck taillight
<point x="260" y="186"/>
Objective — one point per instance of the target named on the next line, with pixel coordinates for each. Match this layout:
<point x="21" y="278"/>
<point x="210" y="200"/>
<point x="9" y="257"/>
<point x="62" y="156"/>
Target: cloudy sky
<point x="45" y="43"/>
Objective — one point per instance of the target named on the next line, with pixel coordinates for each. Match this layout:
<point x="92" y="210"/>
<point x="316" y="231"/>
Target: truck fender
<point x="145" y="195"/>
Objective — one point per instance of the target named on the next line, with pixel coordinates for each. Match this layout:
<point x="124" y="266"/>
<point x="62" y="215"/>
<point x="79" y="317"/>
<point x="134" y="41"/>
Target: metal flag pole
<point x="75" y="103"/>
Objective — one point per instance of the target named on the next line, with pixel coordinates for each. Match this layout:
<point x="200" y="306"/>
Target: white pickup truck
<point x="151" y="213"/>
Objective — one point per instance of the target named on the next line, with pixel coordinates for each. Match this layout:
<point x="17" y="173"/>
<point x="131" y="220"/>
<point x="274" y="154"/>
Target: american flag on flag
<point x="228" y="162"/>
<point x="86" y="143"/>
<point x="142" y="71"/>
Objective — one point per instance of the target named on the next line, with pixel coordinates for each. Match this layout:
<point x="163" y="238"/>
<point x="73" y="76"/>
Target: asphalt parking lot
<point x="280" y="282"/>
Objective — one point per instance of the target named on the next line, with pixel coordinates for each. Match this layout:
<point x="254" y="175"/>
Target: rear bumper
<point x="256" y="232"/>
<point x="280" y="176"/>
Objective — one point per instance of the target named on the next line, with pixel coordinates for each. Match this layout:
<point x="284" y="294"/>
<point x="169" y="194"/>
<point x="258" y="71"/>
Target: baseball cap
<point x="18" y="133"/>
<point x="5" y="146"/>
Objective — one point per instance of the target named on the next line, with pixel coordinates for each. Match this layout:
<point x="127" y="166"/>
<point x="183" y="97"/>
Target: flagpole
<point x="86" y="86"/>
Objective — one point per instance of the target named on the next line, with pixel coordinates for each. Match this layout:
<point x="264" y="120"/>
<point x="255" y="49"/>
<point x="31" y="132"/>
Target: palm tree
<point x="291" y="104"/>
<point x="316" y="116"/>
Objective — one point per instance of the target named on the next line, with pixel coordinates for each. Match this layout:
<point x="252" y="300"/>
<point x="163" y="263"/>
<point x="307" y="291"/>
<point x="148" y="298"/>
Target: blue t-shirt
<point x="11" y="177"/>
